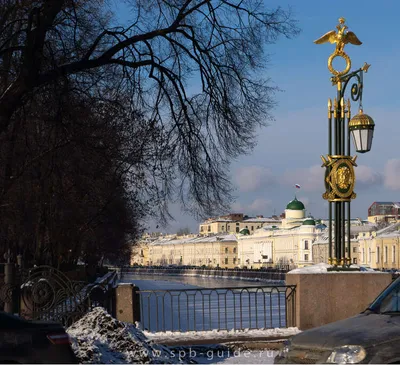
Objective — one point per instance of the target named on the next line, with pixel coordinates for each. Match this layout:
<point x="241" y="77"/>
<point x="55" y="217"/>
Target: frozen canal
<point x="184" y="303"/>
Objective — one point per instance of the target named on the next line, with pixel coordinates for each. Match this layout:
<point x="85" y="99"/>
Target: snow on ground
<point x="322" y="268"/>
<point x="313" y="269"/>
<point x="223" y="335"/>
<point x="98" y="338"/>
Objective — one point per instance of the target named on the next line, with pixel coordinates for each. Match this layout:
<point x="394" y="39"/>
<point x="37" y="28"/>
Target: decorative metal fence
<point x="236" y="308"/>
<point x="45" y="293"/>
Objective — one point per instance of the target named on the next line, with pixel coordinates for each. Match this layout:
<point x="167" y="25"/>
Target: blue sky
<point x="289" y="149"/>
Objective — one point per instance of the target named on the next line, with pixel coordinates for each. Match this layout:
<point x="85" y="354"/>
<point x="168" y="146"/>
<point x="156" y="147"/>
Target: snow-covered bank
<point x="98" y="338"/>
<point x="225" y="336"/>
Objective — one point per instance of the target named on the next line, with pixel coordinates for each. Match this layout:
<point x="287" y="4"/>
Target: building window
<point x="237" y="229"/>
<point x="252" y="228"/>
<point x="234" y="250"/>
<point x="377" y="254"/>
<point x="247" y="227"/>
<point x="306" y="257"/>
<point x="222" y="228"/>
<point x="209" y="228"/>
<point x="201" y="229"/>
<point x="226" y="249"/>
<point x="226" y="261"/>
<point x="354" y="249"/>
<point x="237" y="224"/>
<point x="306" y="245"/>
<point x="229" y="228"/>
<point x="386" y="254"/>
<point x="354" y="261"/>
<point x="234" y="260"/>
<point x="394" y="254"/>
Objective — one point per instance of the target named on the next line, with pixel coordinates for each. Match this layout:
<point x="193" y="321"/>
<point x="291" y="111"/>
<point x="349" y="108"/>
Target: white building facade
<point x="290" y="244"/>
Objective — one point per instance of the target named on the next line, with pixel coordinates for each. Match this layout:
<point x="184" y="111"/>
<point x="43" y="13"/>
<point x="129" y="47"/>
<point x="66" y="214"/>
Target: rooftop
<point x="201" y="239"/>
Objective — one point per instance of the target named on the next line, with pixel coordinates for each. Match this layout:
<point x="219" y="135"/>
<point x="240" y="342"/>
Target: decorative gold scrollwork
<point x="339" y="178"/>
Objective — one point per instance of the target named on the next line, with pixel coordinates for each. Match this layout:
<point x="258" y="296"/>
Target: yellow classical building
<point x="381" y="249"/>
<point x="235" y="223"/>
<point x="259" y="242"/>
<point x="358" y="229"/>
<point x="140" y="254"/>
<point x="214" y="251"/>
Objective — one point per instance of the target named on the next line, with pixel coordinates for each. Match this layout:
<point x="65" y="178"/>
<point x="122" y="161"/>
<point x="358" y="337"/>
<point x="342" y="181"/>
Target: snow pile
<point x="313" y="269"/>
<point x="322" y="268"/>
<point x="233" y="335"/>
<point x="98" y="338"/>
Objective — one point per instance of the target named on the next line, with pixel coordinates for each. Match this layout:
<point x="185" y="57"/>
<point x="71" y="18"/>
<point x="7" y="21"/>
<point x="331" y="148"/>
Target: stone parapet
<point x="127" y="304"/>
<point x="328" y="297"/>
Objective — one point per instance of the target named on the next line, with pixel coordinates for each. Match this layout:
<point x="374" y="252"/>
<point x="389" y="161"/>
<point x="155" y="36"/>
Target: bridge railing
<point x="235" y="308"/>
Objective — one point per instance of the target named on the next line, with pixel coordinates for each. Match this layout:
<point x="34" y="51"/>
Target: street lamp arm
<point x="356" y="88"/>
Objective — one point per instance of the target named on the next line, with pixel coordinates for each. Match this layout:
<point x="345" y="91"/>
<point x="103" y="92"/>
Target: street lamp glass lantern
<point x="362" y="127"/>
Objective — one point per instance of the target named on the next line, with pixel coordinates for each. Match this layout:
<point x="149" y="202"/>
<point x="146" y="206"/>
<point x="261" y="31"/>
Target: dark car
<point x="372" y="337"/>
<point x="29" y="342"/>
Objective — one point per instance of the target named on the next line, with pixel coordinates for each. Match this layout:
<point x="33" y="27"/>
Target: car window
<point x="388" y="300"/>
<point x="392" y="302"/>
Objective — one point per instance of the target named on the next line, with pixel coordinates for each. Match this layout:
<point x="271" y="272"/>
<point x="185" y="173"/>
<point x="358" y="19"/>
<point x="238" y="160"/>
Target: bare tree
<point x="158" y="59"/>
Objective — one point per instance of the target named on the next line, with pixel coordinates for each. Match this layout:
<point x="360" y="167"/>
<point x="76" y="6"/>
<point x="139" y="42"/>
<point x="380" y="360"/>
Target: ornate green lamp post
<point x="339" y="164"/>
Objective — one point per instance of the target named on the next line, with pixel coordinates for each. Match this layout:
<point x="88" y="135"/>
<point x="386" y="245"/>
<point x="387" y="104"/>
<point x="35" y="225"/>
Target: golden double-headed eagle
<point x="341" y="37"/>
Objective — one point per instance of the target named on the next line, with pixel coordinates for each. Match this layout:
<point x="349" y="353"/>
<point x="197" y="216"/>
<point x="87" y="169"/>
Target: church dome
<point x="309" y="222"/>
<point x="295" y="205"/>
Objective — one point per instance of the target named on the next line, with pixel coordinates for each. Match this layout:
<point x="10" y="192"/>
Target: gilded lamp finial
<point x="341" y="37"/>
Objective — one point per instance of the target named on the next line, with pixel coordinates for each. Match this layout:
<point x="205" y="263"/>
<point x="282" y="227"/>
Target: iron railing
<point x="47" y="294"/>
<point x="235" y="308"/>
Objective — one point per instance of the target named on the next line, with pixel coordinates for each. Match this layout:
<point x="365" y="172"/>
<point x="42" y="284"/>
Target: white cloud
<point x="392" y="174"/>
<point x="367" y="176"/>
<point x="309" y="178"/>
<point x="253" y="178"/>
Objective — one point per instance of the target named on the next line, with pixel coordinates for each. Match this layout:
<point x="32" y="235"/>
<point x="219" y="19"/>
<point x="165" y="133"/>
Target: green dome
<point x="309" y="222"/>
<point x="295" y="205"/>
<point x="244" y="231"/>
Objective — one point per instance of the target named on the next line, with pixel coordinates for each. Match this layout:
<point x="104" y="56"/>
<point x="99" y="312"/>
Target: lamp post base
<point x="344" y="262"/>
